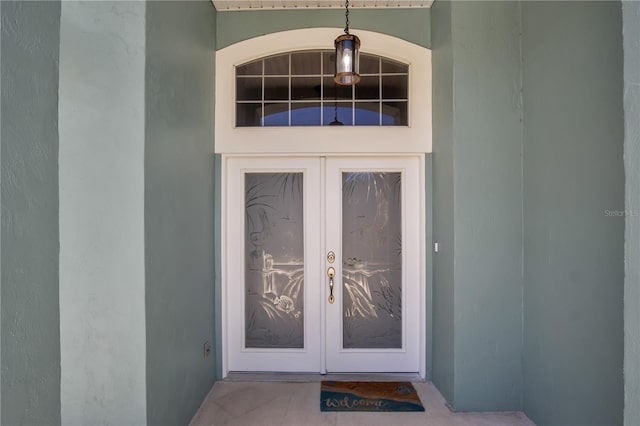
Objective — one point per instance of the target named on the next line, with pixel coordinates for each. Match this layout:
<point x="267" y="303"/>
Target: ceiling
<point x="231" y="5"/>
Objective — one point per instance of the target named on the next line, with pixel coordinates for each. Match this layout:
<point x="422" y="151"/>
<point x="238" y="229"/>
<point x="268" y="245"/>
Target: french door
<point x="323" y="264"/>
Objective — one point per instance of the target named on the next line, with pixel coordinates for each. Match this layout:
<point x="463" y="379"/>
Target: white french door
<point x="323" y="264"/>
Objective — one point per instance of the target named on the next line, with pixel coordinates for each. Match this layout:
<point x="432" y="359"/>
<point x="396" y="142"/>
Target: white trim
<point x="423" y="269"/>
<point x="276" y="160"/>
<point x="233" y="5"/>
<point x="323" y="243"/>
<point x="224" y="268"/>
<point x="415" y="138"/>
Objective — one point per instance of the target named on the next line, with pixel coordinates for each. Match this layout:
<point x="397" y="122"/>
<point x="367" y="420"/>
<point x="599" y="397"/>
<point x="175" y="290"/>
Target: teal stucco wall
<point x="631" y="41"/>
<point x="573" y="248"/>
<point x="487" y="213"/>
<point x="527" y="163"/>
<point x="101" y="174"/>
<point x="179" y="203"/>
<point x="477" y="204"/>
<point x="442" y="160"/>
<point x="30" y="358"/>
<point x="408" y="24"/>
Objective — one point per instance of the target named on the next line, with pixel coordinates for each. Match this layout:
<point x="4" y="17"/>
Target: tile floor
<point x="298" y="404"/>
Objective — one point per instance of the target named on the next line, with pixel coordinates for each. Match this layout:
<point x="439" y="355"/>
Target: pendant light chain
<point x="346" y="15"/>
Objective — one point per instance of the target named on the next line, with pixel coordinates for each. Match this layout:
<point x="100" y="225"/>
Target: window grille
<point x="297" y="89"/>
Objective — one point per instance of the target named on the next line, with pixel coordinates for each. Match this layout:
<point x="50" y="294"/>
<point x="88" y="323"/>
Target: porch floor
<point x="298" y="403"/>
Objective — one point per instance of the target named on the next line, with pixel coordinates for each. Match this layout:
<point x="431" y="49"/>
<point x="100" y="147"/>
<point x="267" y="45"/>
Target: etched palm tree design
<point x="372" y="259"/>
<point x="259" y="238"/>
<point x="274" y="278"/>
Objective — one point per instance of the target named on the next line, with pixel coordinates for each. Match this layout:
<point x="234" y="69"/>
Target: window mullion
<point x="290" y="104"/>
<point x="379" y="91"/>
<point x="262" y="115"/>
<point x="321" y="89"/>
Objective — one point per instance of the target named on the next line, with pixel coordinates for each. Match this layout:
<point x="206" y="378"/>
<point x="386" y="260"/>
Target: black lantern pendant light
<point x="347" y="55"/>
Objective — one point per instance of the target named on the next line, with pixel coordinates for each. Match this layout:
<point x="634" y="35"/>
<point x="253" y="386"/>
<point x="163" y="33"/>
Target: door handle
<point x="331" y="272"/>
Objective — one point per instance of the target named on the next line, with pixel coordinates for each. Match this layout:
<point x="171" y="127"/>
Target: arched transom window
<point x="297" y="89"/>
<point x="275" y="95"/>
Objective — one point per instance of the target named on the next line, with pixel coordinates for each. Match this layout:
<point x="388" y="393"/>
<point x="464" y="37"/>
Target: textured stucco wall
<point x="573" y="174"/>
<point x="478" y="204"/>
<point x="30" y="378"/>
<point x="101" y="161"/>
<point x="631" y="40"/>
<point x="488" y="205"/>
<point x="442" y="159"/>
<point x="179" y="202"/>
<point x="408" y="24"/>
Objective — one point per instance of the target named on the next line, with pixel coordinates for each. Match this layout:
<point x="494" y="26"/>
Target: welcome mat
<point x="369" y="396"/>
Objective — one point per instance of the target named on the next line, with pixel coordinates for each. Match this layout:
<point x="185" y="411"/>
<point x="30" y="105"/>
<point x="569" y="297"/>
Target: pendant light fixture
<point x="347" y="55"/>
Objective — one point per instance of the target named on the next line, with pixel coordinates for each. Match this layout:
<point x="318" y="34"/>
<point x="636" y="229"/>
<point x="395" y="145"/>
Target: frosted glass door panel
<point x="372" y="260"/>
<point x="274" y="259"/>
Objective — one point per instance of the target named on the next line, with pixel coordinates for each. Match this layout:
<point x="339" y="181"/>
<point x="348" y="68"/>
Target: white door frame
<point x="228" y="340"/>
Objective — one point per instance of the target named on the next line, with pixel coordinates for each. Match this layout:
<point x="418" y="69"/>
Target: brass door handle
<point x="331" y="272"/>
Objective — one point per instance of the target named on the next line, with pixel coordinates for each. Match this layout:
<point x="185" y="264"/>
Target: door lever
<point x="331" y="272"/>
